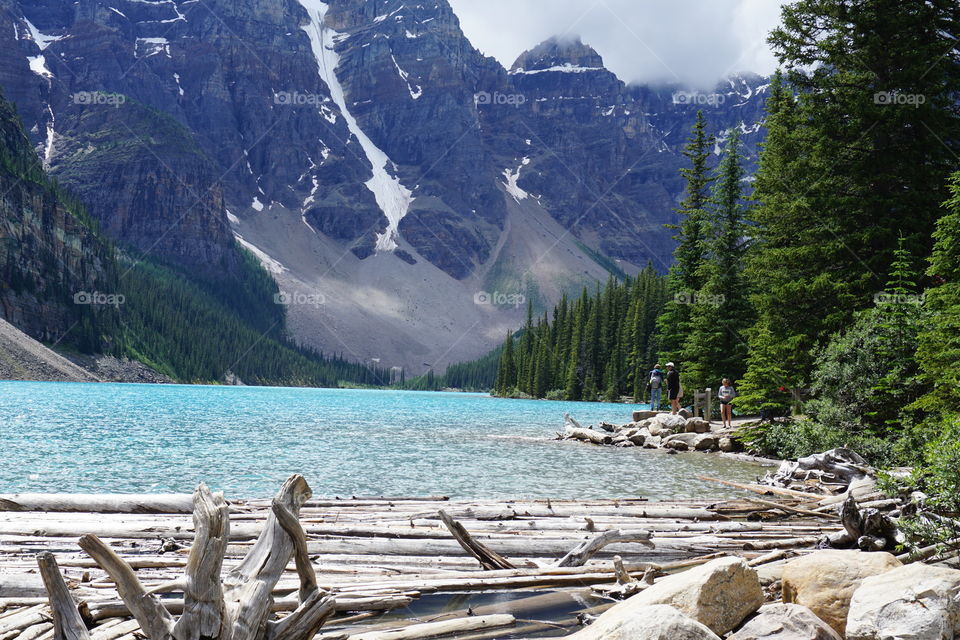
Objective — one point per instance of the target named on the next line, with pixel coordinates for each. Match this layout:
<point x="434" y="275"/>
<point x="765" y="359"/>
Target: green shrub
<point x="798" y="438"/>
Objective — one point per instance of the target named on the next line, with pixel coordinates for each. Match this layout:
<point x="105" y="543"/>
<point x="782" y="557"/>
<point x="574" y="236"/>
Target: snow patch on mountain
<point x="563" y="68"/>
<point x="511" y="181"/>
<point x="146" y="47"/>
<point x="270" y="264"/>
<point x="43" y="41"/>
<point x="39" y="66"/>
<point x="415" y="94"/>
<point x="392" y="197"/>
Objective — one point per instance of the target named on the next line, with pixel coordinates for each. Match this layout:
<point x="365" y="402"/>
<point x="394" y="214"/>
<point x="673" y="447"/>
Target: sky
<point x="694" y="42"/>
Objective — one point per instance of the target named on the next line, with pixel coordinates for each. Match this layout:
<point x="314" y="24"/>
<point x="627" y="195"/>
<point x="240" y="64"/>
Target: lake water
<point x="75" y="437"/>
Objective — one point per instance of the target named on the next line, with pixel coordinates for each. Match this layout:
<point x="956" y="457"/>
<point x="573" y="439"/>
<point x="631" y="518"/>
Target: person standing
<point x="674" y="388"/>
<point x="726" y="395"/>
<point x="655" y="385"/>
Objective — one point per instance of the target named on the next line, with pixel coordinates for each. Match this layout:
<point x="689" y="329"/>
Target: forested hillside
<point x="597" y="345"/>
<point x="827" y="285"/>
<point x="65" y="285"/>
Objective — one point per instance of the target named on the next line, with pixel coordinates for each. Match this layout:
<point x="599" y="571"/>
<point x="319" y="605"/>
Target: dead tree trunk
<point x="239" y="607"/>
<point x="67" y="623"/>
<point x="488" y="558"/>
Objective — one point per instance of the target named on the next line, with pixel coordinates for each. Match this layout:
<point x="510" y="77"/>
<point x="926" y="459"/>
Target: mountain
<point x="407" y="193"/>
<point x="50" y="258"/>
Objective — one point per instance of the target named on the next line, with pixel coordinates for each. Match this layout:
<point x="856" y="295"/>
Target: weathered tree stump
<point x="236" y="608"/>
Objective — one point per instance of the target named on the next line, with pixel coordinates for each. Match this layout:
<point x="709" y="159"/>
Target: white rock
<point x="665" y="424"/>
<point x="825" y="581"/>
<point x="914" y="602"/>
<point x="644" y="622"/>
<point x="681" y="441"/>
<point x="785" y="622"/>
<point x="718" y="594"/>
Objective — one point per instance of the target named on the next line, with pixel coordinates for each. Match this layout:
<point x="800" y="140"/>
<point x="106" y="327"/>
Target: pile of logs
<point x="292" y="564"/>
<point x="113" y="567"/>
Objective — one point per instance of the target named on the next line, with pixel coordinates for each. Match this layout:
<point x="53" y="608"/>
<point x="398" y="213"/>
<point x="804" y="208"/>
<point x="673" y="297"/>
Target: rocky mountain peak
<point x="558" y="52"/>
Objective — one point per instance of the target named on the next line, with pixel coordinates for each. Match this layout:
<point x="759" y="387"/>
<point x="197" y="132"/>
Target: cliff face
<point x="374" y="127"/>
<point x="53" y="267"/>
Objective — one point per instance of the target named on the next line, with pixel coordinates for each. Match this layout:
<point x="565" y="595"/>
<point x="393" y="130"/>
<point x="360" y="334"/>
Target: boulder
<point x="697" y="425"/>
<point x="785" y="622"/>
<point x="681" y="441"/>
<point x="718" y="594"/>
<point x="644" y="622"/>
<point x="666" y="424"/>
<point x="684" y="413"/>
<point x="638" y="439"/>
<point x="640" y="416"/>
<point x="653" y="442"/>
<point x="706" y="442"/>
<point x="727" y="444"/>
<point x="770" y="572"/>
<point x="824" y="581"/>
<point x="914" y="602"/>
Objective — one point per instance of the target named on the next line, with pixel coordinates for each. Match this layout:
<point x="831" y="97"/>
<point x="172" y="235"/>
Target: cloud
<point x="694" y="42"/>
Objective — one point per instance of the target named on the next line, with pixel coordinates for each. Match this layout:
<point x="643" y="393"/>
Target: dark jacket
<point x="673" y="382"/>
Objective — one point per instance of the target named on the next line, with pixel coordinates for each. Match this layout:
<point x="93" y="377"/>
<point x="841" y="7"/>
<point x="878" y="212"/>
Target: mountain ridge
<point x="519" y="183"/>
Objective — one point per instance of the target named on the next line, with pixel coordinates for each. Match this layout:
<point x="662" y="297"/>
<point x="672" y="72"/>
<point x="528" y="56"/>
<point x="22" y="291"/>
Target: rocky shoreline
<point x="657" y="430"/>
<point x="825" y="595"/>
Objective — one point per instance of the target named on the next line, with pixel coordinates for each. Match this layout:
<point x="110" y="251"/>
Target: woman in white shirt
<point x="726" y="394"/>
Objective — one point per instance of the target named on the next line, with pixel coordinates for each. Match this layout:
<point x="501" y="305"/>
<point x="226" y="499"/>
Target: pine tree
<point x="721" y="312"/>
<point x="860" y="157"/>
<point x="507" y="372"/>
<point x="939" y="342"/>
<point x="786" y="289"/>
<point x="685" y="276"/>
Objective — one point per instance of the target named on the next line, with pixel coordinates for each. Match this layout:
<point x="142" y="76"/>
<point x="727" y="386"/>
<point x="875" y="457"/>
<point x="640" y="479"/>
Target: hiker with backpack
<point x="655" y="386"/>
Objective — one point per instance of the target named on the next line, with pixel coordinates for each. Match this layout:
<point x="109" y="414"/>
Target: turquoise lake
<point x="72" y="437"/>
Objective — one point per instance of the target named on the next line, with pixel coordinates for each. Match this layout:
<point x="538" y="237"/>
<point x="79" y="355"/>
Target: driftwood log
<point x="488" y="558"/>
<point x="240" y="607"/>
<point x="95" y="503"/>
<point x="586" y="550"/>
<point x="867" y="529"/>
<point x="573" y="430"/>
<point x="839" y="467"/>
